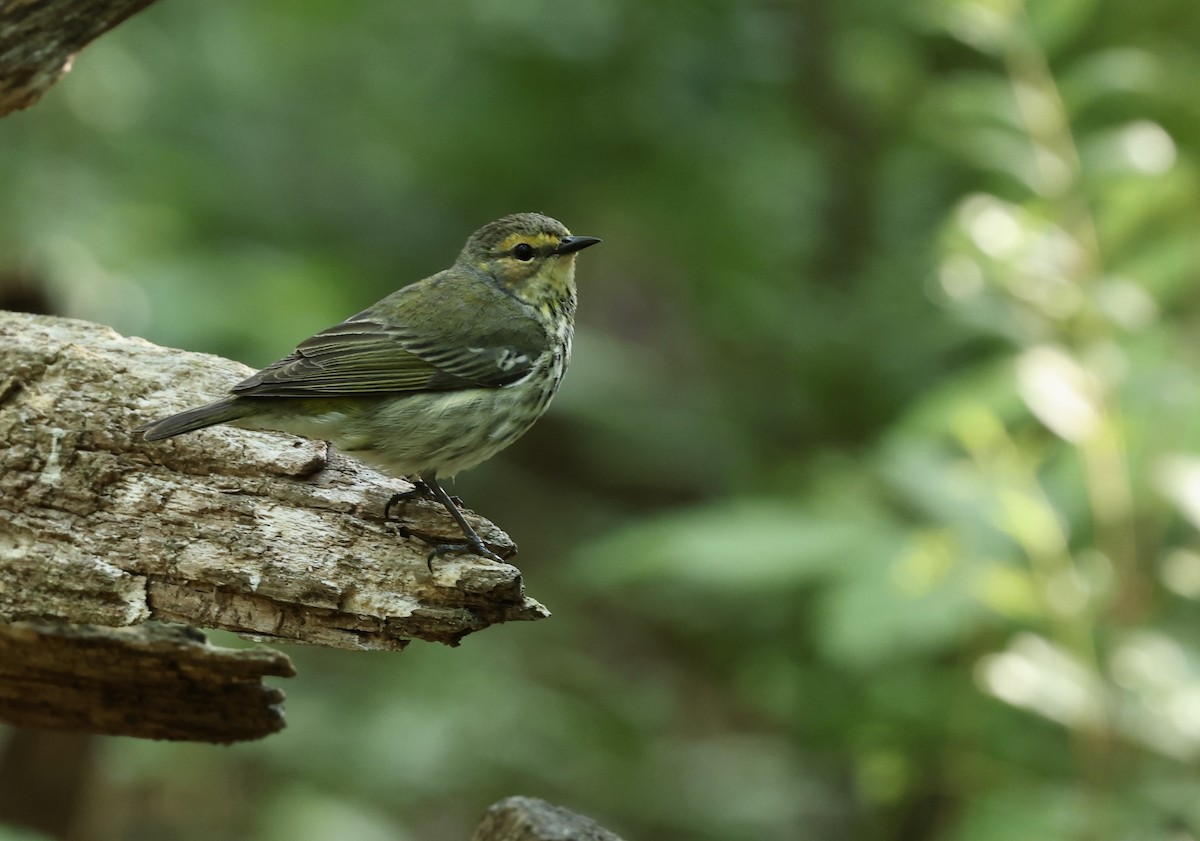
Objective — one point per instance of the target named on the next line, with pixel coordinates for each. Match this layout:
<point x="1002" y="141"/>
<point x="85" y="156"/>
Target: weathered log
<point x="269" y="536"/>
<point x="266" y="535"/>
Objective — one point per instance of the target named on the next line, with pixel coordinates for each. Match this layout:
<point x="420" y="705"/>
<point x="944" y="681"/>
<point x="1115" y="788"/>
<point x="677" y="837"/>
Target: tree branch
<point x="154" y="682"/>
<point x="39" y="40"/>
<point x="262" y="534"/>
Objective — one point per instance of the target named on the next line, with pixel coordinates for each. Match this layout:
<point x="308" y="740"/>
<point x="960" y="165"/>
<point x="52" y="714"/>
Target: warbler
<point x="434" y="378"/>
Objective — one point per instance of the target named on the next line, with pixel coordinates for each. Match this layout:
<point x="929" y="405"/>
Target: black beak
<point x="570" y="245"/>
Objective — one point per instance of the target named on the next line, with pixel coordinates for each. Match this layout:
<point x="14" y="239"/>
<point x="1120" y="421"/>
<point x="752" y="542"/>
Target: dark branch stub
<point x="154" y="682"/>
<point x="38" y="42"/>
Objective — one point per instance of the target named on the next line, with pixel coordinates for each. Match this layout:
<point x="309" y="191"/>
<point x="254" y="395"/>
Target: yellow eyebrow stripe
<point x="538" y="241"/>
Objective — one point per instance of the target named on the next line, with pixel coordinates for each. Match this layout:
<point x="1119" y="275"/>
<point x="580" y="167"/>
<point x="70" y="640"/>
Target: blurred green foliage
<point x="869" y="507"/>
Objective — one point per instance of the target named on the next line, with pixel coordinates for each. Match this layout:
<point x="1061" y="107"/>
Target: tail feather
<point x="223" y="411"/>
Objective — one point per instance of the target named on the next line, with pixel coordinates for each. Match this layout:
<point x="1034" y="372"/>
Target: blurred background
<point x="868" y="508"/>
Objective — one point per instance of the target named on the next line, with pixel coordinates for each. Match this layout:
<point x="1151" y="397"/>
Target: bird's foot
<point x="397" y="499"/>
<point x="419" y="490"/>
<point x="475" y="547"/>
<point x="427" y="485"/>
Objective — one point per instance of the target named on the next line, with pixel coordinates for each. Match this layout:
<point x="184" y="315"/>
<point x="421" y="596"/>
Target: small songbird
<point x="437" y="376"/>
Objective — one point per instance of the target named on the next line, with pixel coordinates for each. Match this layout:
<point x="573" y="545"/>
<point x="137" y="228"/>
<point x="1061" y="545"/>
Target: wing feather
<point x="440" y="344"/>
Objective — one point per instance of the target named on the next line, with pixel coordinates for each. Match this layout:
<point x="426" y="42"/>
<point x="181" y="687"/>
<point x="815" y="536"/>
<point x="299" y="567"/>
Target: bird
<point x="433" y="379"/>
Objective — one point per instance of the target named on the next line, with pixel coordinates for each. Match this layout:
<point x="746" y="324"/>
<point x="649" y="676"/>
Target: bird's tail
<point x="223" y="411"/>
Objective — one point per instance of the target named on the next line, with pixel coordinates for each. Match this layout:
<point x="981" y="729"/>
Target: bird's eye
<point x="523" y="251"/>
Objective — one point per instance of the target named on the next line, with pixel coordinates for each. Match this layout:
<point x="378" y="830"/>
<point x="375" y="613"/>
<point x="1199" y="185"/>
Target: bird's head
<point x="530" y="255"/>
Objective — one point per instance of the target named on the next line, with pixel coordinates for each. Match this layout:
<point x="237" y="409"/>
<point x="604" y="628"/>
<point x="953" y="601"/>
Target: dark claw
<point x="438" y="549"/>
<point x="479" y="549"/>
<point x="395" y="498"/>
<point x="475" y="547"/>
<point x="419" y="489"/>
<point x="387" y="508"/>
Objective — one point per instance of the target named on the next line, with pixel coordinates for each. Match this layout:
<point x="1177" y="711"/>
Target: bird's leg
<point x="427" y="486"/>
<point x="474" y="543"/>
<point x="458" y="503"/>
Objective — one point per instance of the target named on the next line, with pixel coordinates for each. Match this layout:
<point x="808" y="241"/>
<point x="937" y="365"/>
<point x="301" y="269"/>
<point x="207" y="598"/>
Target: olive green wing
<point x="444" y="333"/>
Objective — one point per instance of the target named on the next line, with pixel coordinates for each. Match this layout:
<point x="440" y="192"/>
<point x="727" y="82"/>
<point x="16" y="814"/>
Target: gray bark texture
<point x="263" y="534"/>
<point x="39" y="40"/>
<point x="270" y="536"/>
<point x="531" y="819"/>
